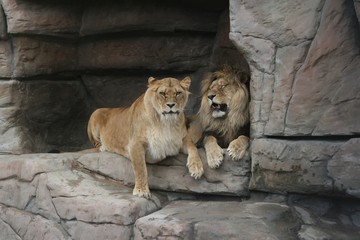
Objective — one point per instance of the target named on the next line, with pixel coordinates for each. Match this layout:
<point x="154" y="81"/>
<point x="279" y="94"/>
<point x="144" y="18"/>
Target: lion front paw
<point x="215" y="156"/>
<point x="195" y="167"/>
<point x="142" y="192"/>
<point x="237" y="148"/>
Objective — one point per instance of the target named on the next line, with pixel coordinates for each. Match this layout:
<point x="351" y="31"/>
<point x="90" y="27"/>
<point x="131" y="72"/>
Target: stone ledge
<point x="310" y="167"/>
<point x="232" y="178"/>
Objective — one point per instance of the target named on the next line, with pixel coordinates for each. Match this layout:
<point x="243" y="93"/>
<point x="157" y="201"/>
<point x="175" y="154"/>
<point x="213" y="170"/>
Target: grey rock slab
<point x="306" y="166"/>
<point x="85" y="231"/>
<point x="218" y="220"/>
<point x="130" y="16"/>
<point x="36" y="18"/>
<point x="25" y="167"/>
<point x="231" y="178"/>
<point x="29" y="226"/>
<point x="76" y="195"/>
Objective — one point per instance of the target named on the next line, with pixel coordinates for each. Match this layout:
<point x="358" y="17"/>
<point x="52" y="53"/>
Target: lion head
<point x="168" y="96"/>
<point x="225" y="102"/>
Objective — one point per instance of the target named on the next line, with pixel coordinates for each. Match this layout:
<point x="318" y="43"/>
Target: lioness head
<point x="168" y="96"/>
<point x="223" y="92"/>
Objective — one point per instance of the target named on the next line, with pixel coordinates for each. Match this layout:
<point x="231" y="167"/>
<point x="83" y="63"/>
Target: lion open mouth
<point x="219" y="107"/>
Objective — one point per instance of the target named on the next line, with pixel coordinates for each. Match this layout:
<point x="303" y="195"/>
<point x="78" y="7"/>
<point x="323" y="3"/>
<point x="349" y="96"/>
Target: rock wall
<point x="61" y="60"/>
<point x="304" y="58"/>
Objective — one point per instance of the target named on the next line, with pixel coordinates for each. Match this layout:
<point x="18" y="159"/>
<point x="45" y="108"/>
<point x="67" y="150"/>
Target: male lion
<point x="151" y="129"/>
<point x="223" y="116"/>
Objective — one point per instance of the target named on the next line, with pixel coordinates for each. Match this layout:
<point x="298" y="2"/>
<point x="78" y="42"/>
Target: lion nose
<point x="211" y="97"/>
<point x="170" y="105"/>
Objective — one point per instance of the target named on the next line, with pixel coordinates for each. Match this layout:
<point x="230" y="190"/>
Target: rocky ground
<point x="57" y="196"/>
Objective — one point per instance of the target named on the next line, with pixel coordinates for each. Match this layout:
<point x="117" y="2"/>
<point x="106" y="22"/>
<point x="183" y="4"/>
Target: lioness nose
<point x="211" y="97"/>
<point x="170" y="105"/>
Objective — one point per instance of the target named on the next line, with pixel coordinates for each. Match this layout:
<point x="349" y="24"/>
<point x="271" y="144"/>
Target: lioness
<point x="223" y="116"/>
<point x="151" y="129"/>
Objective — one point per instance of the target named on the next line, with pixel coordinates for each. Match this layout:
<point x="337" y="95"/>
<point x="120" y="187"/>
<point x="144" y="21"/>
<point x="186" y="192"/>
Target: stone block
<point x="282" y="22"/>
<point x="25" y="167"/>
<point x="231" y="178"/>
<point x="132" y="16"/>
<point x="311" y="167"/>
<point x="5" y="59"/>
<point x="33" y="57"/>
<point x="41" y="17"/>
<point x="218" y="220"/>
<point x="85" y="231"/>
<point x="29" y="226"/>
<point x="328" y="81"/>
<point x="3" y="27"/>
<point x="180" y="53"/>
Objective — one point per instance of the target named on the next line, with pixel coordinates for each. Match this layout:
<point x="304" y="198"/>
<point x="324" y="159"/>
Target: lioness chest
<point x="163" y="142"/>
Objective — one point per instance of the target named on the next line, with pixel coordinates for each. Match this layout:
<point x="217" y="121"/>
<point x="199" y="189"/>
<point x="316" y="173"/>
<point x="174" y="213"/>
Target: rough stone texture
<point x="45" y="196"/>
<point x="312" y="167"/>
<point x="232" y="178"/>
<point x="200" y="220"/>
<point x="39" y="18"/>
<point x="53" y="123"/>
<point x="132" y="16"/>
<point x="183" y="53"/>
<point x="308" y="52"/>
<point x="5" y="59"/>
<point x="92" y="44"/>
<point x="41" y="57"/>
<point x="3" y="30"/>
<point x="357" y="9"/>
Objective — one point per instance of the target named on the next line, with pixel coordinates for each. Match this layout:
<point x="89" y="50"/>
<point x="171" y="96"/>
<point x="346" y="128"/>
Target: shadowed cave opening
<point x="76" y="57"/>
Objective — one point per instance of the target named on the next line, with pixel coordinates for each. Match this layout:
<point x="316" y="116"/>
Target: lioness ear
<point x="185" y="83"/>
<point x="151" y="80"/>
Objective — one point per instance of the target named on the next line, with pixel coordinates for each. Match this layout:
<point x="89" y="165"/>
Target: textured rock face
<point x="66" y="59"/>
<point x="308" y="53"/>
<point x="46" y="196"/>
<point x="199" y="220"/>
<point x="232" y="178"/>
<point x="304" y="60"/>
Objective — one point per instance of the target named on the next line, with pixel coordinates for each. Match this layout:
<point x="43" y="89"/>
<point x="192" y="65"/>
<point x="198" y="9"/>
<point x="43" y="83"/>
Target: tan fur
<point x="151" y="129"/>
<point x="223" y="113"/>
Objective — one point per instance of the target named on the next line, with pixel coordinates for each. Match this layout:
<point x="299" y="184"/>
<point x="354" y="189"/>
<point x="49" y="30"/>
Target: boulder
<point x="39" y="18"/>
<point x="311" y="167"/>
<point x="32" y="57"/>
<point x="218" y="220"/>
<point x="231" y="178"/>
<point x="307" y="54"/>
<point x="134" y="16"/>
<point x="179" y="53"/>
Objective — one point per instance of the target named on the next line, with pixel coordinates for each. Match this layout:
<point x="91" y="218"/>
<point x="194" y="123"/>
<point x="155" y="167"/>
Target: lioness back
<point x="104" y="132"/>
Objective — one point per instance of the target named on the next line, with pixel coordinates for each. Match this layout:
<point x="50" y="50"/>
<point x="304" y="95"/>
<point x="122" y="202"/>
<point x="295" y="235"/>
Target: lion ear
<point x="151" y="80"/>
<point x="185" y="83"/>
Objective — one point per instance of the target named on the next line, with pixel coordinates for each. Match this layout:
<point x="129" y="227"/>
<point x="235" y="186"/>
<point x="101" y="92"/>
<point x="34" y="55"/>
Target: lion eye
<point x="163" y="94"/>
<point x="178" y="93"/>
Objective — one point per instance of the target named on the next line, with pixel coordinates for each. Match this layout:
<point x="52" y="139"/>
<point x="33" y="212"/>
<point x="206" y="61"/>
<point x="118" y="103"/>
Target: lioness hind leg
<point x="214" y="153"/>
<point x="237" y="148"/>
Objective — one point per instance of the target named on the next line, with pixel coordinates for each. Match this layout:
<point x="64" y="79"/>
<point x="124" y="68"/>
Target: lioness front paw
<point x="195" y="167"/>
<point x="237" y="148"/>
<point x="142" y="192"/>
<point x="215" y="156"/>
